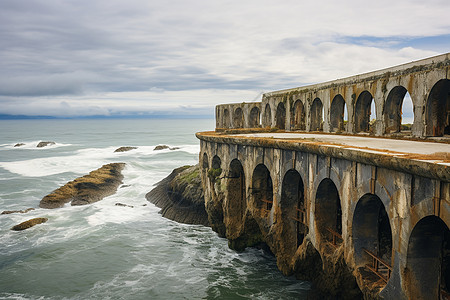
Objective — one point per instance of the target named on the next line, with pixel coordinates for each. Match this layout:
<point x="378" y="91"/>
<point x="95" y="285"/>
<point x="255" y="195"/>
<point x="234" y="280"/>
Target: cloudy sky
<point x="182" y="57"/>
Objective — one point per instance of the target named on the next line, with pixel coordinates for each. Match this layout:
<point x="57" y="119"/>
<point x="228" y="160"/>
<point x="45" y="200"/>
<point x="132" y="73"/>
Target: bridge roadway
<point x="432" y="152"/>
<point x="350" y="198"/>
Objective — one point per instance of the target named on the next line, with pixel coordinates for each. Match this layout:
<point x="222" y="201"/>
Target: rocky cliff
<point x="180" y="196"/>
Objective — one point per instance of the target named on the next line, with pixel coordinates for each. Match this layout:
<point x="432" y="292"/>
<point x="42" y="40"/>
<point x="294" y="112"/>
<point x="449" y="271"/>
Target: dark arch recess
<point x="428" y="259"/>
<point x="362" y="112"/>
<point x="372" y="232"/>
<point x="316" y="115"/>
<point x="293" y="208"/>
<point x="298" y="116"/>
<point x="328" y="213"/>
<point x="280" y="117"/>
<point x="262" y="188"/>
<point x="337" y="114"/>
<point x="438" y="109"/>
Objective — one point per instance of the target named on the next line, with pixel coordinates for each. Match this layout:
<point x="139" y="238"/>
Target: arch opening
<point x="372" y="237"/>
<point x="365" y="113"/>
<point x="316" y="115"/>
<point x="293" y="208"/>
<point x="437" y="117"/>
<point x="267" y="117"/>
<point x="226" y="118"/>
<point x="254" y="117"/>
<point x="280" y="117"/>
<point x="236" y="192"/>
<point x="262" y="188"/>
<point x="398" y="111"/>
<point x="337" y="113"/>
<point x="205" y="162"/>
<point x="238" y="118"/>
<point x="298" y="116"/>
<point x="428" y="259"/>
<point x="328" y="212"/>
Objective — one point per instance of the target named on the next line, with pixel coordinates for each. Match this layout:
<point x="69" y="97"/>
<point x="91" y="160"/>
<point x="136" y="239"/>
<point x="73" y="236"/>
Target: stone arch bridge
<point x="324" y="106"/>
<point x="354" y="214"/>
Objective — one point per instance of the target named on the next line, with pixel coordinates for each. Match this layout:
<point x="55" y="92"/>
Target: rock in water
<point x="180" y="196"/>
<point x="161" y="147"/>
<point x="7" y="212"/>
<point x="90" y="188"/>
<point x="124" y="149"/>
<point x="45" y="144"/>
<point x="29" y="223"/>
<point x="19" y="145"/>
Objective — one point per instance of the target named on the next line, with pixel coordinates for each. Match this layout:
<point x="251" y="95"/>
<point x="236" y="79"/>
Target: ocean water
<point x="104" y="251"/>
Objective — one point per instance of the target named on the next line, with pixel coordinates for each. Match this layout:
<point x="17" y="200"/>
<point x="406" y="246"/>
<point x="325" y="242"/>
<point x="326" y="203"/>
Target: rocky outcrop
<point x="19" y="145"/>
<point x="124" y="149"/>
<point x="162" y="147"/>
<point x="90" y="188"/>
<point x="7" y="212"/>
<point x="29" y="223"/>
<point x="180" y="196"/>
<point x="45" y="144"/>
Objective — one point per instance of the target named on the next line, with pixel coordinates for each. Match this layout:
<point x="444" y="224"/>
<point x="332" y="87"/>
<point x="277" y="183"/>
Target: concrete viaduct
<point x="355" y="214"/>
<point x="321" y="107"/>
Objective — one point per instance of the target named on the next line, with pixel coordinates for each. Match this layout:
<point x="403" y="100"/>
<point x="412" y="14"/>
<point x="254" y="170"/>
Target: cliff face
<point x="180" y="196"/>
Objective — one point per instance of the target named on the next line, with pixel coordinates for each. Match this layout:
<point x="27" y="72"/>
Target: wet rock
<point x="7" y="212"/>
<point x="45" y="144"/>
<point x="161" y="147"/>
<point x="19" y="145"/>
<point x="124" y="205"/>
<point x="29" y="223"/>
<point x="124" y="186"/>
<point x="90" y="188"/>
<point x="180" y="196"/>
<point x="124" y="149"/>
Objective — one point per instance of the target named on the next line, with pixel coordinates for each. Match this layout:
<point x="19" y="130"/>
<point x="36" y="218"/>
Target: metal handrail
<point x="335" y="236"/>
<point x="375" y="267"/>
<point x="302" y="216"/>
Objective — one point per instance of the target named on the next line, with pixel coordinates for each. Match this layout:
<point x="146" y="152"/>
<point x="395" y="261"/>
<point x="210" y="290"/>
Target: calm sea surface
<point x="104" y="251"/>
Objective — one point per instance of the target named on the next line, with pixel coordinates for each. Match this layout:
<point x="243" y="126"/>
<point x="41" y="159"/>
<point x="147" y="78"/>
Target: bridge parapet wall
<point x="344" y="105"/>
<point x="238" y="115"/>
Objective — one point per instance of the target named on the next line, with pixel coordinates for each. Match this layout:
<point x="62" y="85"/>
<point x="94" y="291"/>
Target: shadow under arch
<point x="372" y="233"/>
<point x="437" y="116"/>
<point x="298" y="116"/>
<point x="428" y="259"/>
<point x="226" y="118"/>
<point x="236" y="204"/>
<point x="363" y="111"/>
<point x="267" y="116"/>
<point x="328" y="212"/>
<point x="316" y="119"/>
<point x="238" y="118"/>
<point x="293" y="207"/>
<point x="392" y="111"/>
<point x="337" y="114"/>
<point x="280" y="116"/>
<point x="254" y="117"/>
<point x="262" y="188"/>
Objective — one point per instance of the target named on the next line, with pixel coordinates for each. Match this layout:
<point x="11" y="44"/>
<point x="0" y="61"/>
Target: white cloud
<point x="106" y="56"/>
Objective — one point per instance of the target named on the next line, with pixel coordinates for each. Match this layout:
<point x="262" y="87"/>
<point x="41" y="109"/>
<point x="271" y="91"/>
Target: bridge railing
<point x="381" y="268"/>
<point x="301" y="216"/>
<point x="336" y="237"/>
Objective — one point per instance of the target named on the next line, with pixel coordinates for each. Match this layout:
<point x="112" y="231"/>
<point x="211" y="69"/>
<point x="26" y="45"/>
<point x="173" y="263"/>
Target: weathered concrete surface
<point x="90" y="188"/>
<point x="287" y="192"/>
<point x="321" y="107"/>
